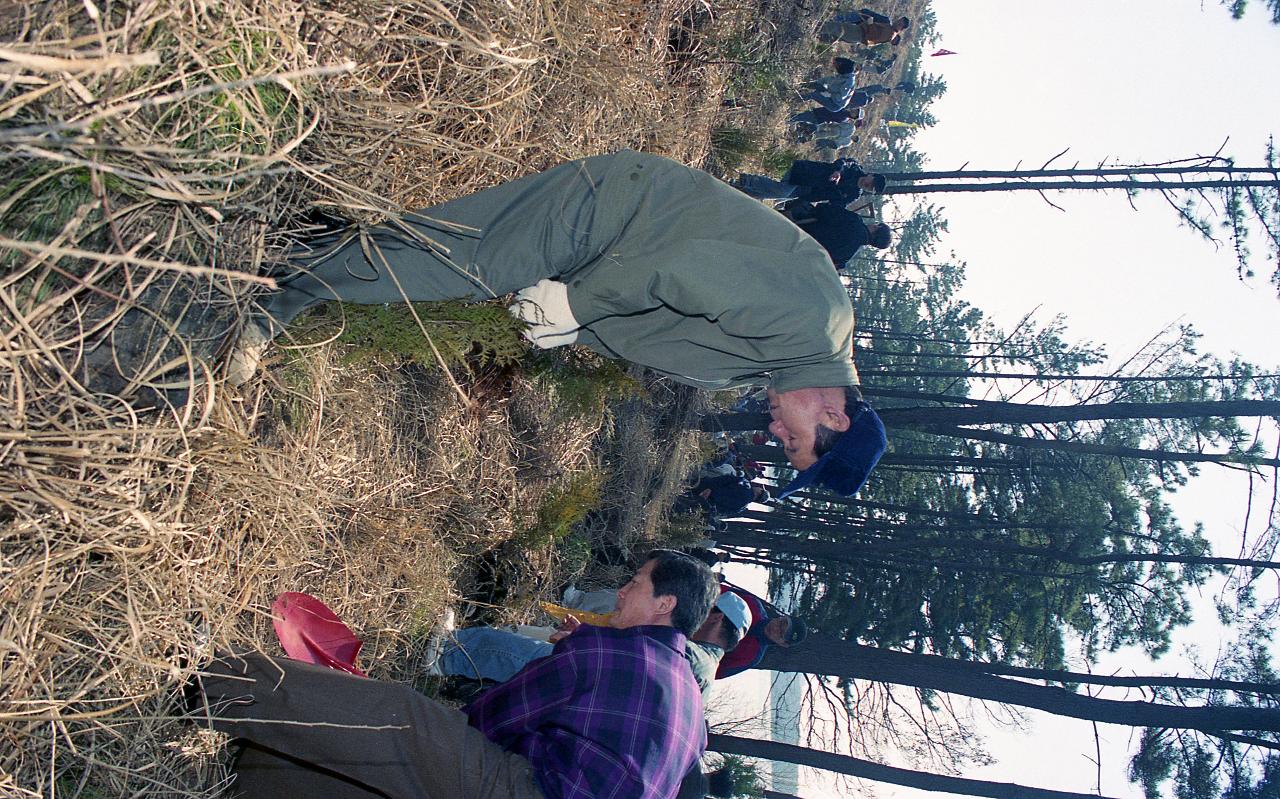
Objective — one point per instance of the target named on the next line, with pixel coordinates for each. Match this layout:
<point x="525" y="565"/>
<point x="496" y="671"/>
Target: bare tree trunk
<point x="1105" y="450"/>
<point x="927" y="418"/>
<point x="847" y="551"/>
<point x="982" y="174"/>
<point x="759" y="421"/>
<point x="827" y="655"/>
<point x="957" y="373"/>
<point x="1065" y="185"/>
<point x="857" y="767"/>
<point x="1019" y="413"/>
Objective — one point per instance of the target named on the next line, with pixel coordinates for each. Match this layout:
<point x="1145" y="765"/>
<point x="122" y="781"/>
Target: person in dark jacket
<point x="722" y="496"/>
<point x="804" y="120"/>
<point x="769" y="627"/>
<point x="816" y="116"/>
<point x="841" y="181"/>
<point x="840" y="231"/>
<point x="875" y="62"/>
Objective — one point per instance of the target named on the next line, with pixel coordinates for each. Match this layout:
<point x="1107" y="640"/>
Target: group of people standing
<point x="831" y="201"/>
<point x="841" y="102"/>
<point x="827" y="200"/>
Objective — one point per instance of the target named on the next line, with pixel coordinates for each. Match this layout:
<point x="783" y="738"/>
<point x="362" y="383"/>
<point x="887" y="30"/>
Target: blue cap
<point x="846" y="465"/>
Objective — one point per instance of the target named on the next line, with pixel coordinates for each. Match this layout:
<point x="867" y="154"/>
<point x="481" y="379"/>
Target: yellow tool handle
<point x="558" y="613"/>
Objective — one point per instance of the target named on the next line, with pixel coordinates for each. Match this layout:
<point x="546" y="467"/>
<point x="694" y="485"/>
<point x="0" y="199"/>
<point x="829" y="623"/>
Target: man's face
<point x="796" y="416"/>
<point x="776" y="630"/>
<point x="637" y="605"/>
<point x="867" y="183"/>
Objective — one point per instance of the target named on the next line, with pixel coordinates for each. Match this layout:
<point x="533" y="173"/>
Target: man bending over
<point x="636" y="257"/>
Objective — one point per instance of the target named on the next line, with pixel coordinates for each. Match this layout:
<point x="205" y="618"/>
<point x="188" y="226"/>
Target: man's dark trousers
<point x="314" y="731"/>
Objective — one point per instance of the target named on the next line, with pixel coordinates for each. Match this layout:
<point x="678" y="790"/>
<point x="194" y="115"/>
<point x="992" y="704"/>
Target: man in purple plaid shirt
<point x="612" y="712"/>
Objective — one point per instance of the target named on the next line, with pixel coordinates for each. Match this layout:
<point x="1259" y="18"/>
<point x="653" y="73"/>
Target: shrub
<point x="732" y="145"/>
<point x="461" y="332"/>
<point x="777" y="161"/>
<point x="583" y="385"/>
<point x="562" y="508"/>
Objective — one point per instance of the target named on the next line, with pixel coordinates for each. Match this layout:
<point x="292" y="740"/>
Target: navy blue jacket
<point x="841" y="232"/>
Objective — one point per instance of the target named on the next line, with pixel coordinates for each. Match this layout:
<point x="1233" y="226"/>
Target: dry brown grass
<point x="168" y="146"/>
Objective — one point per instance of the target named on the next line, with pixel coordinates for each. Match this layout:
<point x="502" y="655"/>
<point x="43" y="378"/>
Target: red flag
<point x="942" y="52"/>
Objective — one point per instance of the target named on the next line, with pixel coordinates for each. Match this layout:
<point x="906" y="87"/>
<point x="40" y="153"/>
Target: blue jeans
<point x="826" y="100"/>
<point x="487" y="653"/>
<point x="763" y="187"/>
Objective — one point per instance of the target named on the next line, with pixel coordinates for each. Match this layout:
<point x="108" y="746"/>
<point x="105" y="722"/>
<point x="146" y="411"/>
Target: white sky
<point x="1140" y="81"/>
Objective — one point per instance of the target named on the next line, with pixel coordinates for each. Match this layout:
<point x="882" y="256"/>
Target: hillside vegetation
<point x="161" y="152"/>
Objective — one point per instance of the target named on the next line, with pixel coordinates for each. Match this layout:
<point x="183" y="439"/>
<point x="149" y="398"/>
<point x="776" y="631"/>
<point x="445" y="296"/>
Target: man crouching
<point x="611" y="712"/>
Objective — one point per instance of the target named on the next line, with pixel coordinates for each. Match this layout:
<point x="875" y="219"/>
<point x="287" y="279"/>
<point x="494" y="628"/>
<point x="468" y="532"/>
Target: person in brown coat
<point x="864" y="27"/>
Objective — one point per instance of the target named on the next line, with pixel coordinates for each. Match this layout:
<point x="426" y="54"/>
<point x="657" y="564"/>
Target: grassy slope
<point x="134" y="543"/>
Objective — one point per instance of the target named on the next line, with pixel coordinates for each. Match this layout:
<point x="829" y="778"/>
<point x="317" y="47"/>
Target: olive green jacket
<point x="703" y="659"/>
<point x="709" y="286"/>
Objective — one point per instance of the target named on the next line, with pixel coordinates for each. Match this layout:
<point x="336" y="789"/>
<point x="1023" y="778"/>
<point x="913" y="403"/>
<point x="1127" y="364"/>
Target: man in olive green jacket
<point x="636" y="257"/>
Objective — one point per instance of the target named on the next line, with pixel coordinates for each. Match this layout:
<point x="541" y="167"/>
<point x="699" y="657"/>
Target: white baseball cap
<point x="735" y="610"/>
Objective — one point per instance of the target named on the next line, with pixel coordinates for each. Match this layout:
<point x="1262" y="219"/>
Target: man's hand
<point x="545" y="306"/>
<point x="566" y="628"/>
<point x="835" y="177"/>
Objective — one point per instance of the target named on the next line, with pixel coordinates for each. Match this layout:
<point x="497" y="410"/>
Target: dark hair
<point x="878" y="183"/>
<point x="729" y="632"/>
<point x="824" y="437"/>
<point x="844" y="66"/>
<point x="690" y="581"/>
<point x="905" y="22"/>
<point x="882" y="236"/>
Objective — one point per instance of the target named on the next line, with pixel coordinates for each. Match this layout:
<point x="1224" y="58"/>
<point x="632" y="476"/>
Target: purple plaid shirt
<point x="609" y="714"/>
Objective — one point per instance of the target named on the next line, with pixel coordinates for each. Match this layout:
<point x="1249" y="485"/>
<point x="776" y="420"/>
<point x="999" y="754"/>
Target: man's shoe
<point x="246" y="356"/>
<point x="440" y="635"/>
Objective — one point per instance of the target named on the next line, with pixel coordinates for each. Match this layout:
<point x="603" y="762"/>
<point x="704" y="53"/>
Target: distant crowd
<point x="831" y="201"/>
